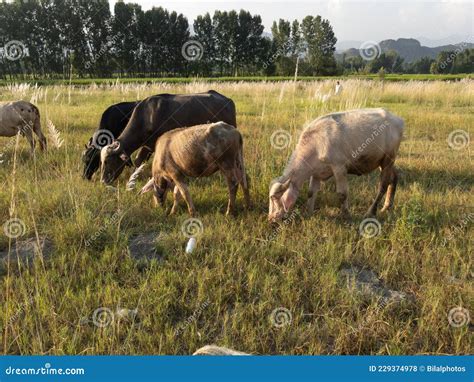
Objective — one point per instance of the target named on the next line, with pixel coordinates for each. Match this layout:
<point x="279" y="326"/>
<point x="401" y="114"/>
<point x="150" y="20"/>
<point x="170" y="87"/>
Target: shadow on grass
<point x="435" y="180"/>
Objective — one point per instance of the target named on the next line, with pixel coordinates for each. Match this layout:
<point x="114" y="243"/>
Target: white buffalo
<point x="337" y="144"/>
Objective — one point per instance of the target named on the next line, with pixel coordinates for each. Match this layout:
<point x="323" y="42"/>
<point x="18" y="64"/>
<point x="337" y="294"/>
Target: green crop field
<point x="189" y="80"/>
<point x="70" y="297"/>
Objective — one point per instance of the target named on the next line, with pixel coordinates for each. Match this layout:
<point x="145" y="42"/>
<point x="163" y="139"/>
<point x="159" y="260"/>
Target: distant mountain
<point x="409" y="48"/>
<point x="341" y="46"/>
<point x="450" y="40"/>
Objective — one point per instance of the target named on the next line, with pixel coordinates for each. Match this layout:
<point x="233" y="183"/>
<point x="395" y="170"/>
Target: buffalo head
<point x="282" y="197"/>
<point x="91" y="160"/>
<point x="113" y="159"/>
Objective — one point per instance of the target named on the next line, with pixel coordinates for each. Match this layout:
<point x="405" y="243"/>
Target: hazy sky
<point x="351" y="20"/>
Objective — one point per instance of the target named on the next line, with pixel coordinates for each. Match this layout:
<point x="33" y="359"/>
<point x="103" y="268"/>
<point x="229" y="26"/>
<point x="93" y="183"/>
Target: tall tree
<point x="177" y="35"/>
<point x="97" y="25"/>
<point x="206" y="36"/>
<point x="281" y="33"/>
<point x="128" y="38"/>
<point x="320" y="44"/>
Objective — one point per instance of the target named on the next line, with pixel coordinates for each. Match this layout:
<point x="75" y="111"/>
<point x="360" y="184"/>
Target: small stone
<point x="366" y="282"/>
<point x="143" y="247"/>
<point x="26" y="250"/>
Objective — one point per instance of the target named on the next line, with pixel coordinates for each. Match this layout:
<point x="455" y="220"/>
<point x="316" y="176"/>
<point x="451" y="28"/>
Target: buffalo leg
<point x="143" y="155"/>
<point x="39" y="133"/>
<point x="156" y="198"/>
<point x="232" y="185"/>
<point x="176" y="198"/>
<point x="28" y="133"/>
<point x="385" y="177"/>
<point x="183" y="189"/>
<point x="342" y="189"/>
<point x="314" y="185"/>
<point x="391" y="191"/>
<point x="243" y="180"/>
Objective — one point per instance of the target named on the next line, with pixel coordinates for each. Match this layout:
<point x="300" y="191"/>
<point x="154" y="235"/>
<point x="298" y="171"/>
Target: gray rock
<point x="366" y="282"/>
<point x="144" y="247"/>
<point x="26" y="250"/>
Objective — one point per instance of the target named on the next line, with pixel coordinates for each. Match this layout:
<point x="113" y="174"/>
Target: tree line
<point x="65" y="38"/>
<point x="456" y="61"/>
<point x="80" y="38"/>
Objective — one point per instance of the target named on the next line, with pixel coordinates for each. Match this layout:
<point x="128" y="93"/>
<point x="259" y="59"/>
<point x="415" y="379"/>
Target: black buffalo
<point x="113" y="121"/>
<point x="155" y="116"/>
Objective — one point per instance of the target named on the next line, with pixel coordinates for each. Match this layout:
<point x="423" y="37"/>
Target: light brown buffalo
<point x="194" y="152"/>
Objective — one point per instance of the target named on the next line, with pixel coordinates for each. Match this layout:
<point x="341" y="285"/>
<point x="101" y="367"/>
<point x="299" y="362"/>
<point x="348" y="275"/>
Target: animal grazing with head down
<point x="156" y="115"/>
<point x="197" y="151"/>
<point x="350" y="142"/>
<point x="24" y="118"/>
<point x="113" y="121"/>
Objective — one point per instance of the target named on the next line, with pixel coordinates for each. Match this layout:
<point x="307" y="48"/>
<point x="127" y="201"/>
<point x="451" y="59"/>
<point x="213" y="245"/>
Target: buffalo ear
<point x="115" y="146"/>
<point x="278" y="188"/>
<point x="289" y="198"/>
<point x="126" y="159"/>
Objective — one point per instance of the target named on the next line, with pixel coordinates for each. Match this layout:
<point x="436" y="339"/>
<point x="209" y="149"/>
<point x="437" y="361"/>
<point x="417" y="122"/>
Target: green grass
<point x="235" y="279"/>
<point x="184" y="80"/>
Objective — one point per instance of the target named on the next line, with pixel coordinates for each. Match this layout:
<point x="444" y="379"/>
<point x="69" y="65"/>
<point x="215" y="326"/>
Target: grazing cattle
<point x="24" y="118"/>
<point x="197" y="152"/>
<point x="351" y="142"/>
<point x="155" y="116"/>
<point x="114" y="120"/>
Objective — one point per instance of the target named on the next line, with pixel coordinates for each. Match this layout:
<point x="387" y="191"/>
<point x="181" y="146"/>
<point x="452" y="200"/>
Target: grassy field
<point x="189" y="80"/>
<point x="227" y="290"/>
